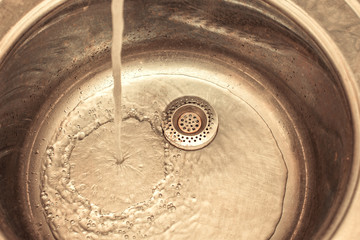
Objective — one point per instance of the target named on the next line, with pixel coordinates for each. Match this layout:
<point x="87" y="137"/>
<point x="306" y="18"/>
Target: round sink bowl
<point x="284" y="163"/>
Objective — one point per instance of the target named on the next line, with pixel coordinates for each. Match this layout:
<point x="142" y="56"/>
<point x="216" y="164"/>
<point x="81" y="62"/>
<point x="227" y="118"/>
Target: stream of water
<point x="118" y="28"/>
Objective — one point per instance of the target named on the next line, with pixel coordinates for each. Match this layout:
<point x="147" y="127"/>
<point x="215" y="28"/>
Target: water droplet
<point x="81" y="135"/>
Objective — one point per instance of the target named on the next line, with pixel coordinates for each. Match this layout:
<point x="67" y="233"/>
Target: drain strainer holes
<point x="190" y="123"/>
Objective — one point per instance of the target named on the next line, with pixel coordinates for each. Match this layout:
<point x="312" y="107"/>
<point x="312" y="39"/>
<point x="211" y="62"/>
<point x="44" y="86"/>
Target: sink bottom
<point x="282" y="164"/>
<point x="243" y="185"/>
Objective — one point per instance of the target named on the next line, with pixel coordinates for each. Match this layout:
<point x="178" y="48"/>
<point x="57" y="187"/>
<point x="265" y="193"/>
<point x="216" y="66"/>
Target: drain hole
<point x="188" y="119"/>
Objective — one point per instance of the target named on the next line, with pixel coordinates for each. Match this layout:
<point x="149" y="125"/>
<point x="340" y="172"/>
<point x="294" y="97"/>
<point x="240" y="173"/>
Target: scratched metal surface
<point x="339" y="18"/>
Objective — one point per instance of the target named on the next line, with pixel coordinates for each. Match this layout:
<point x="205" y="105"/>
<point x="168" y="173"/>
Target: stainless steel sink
<point x="286" y="151"/>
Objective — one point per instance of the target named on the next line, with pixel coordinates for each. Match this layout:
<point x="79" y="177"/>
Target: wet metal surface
<point x="290" y="102"/>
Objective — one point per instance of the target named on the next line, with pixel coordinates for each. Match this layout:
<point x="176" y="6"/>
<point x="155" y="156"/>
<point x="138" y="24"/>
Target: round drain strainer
<point x="190" y="123"/>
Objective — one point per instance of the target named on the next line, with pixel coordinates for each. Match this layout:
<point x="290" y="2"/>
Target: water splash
<point x="160" y="192"/>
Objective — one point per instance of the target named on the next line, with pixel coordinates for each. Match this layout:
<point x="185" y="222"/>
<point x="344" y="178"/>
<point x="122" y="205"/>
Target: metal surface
<point x="190" y="123"/>
<point x="280" y="65"/>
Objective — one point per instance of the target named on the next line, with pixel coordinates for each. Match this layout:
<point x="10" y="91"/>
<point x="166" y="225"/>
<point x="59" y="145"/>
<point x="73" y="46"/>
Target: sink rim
<point x="319" y="35"/>
<point x="348" y="79"/>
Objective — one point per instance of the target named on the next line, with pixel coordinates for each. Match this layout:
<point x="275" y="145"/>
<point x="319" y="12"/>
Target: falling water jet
<point x="118" y="27"/>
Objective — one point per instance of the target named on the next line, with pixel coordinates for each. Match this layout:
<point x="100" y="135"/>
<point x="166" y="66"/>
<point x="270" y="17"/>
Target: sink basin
<point x="283" y="165"/>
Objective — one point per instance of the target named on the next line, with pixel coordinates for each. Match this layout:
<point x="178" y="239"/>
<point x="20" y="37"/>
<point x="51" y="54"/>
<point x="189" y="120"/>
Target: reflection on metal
<point x="252" y="51"/>
<point x="190" y="123"/>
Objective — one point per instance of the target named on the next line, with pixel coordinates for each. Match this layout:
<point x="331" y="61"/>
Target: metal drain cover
<point x="190" y="123"/>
